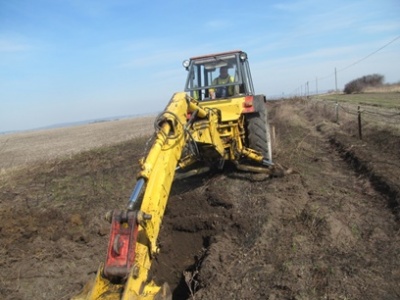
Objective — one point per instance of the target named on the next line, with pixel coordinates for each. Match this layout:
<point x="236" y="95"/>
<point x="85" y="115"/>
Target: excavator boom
<point x="127" y="278"/>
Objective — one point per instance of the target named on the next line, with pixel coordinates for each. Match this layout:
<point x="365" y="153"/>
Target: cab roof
<point x="216" y="54"/>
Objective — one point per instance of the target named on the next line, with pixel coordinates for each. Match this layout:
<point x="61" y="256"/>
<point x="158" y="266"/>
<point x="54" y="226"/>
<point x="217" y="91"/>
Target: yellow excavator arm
<point x="134" y="232"/>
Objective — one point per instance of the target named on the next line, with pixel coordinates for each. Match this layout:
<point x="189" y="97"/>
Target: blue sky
<point x="74" y="60"/>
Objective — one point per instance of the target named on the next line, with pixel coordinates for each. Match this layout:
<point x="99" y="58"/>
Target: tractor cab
<point x="215" y="76"/>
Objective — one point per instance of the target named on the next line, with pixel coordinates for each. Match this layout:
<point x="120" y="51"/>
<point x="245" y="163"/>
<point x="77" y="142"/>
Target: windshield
<point x="214" y="74"/>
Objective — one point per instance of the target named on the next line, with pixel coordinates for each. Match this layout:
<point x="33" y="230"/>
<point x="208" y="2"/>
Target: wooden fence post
<point x="273" y="137"/>
<point x="337" y="112"/>
<point x="359" y="123"/>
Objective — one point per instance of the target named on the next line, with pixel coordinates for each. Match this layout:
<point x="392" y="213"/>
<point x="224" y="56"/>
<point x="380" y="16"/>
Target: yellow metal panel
<point x="230" y="109"/>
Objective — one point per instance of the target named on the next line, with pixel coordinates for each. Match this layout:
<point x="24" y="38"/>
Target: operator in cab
<point x="222" y="91"/>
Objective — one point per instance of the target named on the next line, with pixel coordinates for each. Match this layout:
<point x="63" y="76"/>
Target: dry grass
<point x="19" y="149"/>
<point x="387" y="88"/>
<point x="385" y="97"/>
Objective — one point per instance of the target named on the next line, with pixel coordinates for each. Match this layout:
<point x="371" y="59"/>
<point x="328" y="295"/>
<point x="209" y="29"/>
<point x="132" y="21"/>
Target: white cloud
<point x="381" y="27"/>
<point x="294" y="6"/>
<point x="7" y="45"/>
<point x="218" y="24"/>
<point x="99" y="8"/>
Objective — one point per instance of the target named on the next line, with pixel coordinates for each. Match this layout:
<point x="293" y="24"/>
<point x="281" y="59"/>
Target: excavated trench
<point x="381" y="183"/>
<point x="192" y="219"/>
<point x="201" y="211"/>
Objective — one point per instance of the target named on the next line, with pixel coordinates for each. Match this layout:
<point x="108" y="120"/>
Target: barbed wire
<point x="380" y="114"/>
<point x="360" y="110"/>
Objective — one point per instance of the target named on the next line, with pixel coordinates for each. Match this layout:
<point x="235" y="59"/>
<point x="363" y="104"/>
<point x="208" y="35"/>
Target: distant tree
<point x="359" y="84"/>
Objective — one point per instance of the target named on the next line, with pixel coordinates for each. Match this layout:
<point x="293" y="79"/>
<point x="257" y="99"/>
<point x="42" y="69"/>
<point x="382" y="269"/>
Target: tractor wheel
<point x="257" y="133"/>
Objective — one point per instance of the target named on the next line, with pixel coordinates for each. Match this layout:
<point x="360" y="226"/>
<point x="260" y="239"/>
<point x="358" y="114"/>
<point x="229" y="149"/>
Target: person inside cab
<point x="222" y="91"/>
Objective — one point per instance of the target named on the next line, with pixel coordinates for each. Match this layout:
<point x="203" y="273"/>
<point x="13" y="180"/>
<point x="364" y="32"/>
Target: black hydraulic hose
<point x="192" y="118"/>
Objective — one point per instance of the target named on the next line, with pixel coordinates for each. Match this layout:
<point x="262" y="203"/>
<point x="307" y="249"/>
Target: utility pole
<point x="336" y="81"/>
<point x="308" y="91"/>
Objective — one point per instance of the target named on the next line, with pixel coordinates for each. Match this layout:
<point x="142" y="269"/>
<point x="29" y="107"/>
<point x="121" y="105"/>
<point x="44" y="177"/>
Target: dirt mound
<point x="327" y="231"/>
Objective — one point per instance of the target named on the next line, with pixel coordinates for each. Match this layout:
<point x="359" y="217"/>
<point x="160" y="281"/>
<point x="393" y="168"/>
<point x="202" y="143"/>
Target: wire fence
<point x="363" y="115"/>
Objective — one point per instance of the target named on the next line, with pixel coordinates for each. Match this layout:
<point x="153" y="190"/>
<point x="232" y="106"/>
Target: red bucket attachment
<point x="121" y="246"/>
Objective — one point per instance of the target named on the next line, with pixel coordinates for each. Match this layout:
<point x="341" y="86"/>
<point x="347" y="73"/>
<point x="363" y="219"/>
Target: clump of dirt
<point x="327" y="231"/>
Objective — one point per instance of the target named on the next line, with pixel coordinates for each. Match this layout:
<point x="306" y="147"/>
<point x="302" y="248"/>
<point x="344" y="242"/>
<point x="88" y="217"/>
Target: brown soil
<point x="330" y="230"/>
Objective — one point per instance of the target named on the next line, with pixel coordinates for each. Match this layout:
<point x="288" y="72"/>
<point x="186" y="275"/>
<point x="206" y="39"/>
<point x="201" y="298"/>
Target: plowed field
<point x="329" y="230"/>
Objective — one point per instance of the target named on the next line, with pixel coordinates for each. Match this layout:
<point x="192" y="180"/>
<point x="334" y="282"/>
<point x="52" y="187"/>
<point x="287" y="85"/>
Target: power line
<point x="364" y="58"/>
<point x="358" y="61"/>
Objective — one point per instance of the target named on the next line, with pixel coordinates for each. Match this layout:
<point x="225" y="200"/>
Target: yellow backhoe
<point x="217" y="119"/>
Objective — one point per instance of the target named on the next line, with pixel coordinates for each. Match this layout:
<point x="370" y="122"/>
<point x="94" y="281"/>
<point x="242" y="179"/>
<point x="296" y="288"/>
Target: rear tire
<point x="258" y="134"/>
